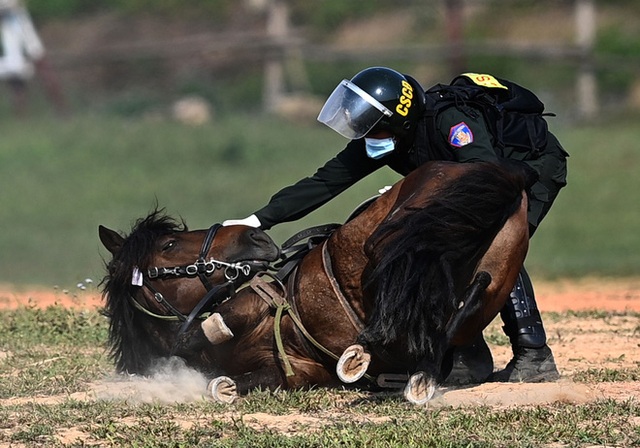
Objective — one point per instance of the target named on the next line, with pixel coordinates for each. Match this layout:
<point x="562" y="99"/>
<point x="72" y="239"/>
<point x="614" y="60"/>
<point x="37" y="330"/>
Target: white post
<point x="277" y="31"/>
<point x="587" y="88"/>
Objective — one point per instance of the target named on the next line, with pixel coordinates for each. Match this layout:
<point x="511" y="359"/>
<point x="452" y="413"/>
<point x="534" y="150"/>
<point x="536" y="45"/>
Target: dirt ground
<point x="579" y="343"/>
<point x="583" y="294"/>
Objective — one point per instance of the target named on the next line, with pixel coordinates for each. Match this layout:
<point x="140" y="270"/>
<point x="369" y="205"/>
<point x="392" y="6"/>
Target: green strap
<point x="139" y="307"/>
<point x="278" y="335"/>
<point x="304" y="331"/>
<point x="274" y="300"/>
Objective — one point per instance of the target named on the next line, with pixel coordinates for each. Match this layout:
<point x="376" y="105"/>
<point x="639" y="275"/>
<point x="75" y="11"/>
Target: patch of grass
<point x="51" y="351"/>
<point x="589" y="229"/>
<point x="344" y="421"/>
<point x="588" y="314"/>
<point x="56" y="325"/>
<point x="495" y="335"/>
<point x="610" y="425"/>
<point x="92" y="170"/>
<point x="43" y="370"/>
<point x="607" y="375"/>
<point x="102" y="170"/>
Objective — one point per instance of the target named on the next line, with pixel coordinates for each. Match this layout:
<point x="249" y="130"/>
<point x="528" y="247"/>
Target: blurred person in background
<point x="391" y="121"/>
<point x="22" y="55"/>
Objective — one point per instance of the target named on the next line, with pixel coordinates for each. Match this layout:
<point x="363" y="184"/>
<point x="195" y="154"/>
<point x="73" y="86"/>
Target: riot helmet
<point x="375" y="99"/>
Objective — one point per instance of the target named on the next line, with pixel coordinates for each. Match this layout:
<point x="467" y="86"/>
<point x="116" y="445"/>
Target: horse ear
<point x="110" y="239"/>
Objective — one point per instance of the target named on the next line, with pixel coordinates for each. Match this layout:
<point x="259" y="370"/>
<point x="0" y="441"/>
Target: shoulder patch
<point x="460" y="135"/>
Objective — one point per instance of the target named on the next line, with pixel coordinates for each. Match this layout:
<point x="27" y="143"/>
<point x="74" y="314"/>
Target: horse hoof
<point x="420" y="388"/>
<point x="353" y="364"/>
<point x="215" y="330"/>
<point x="223" y="390"/>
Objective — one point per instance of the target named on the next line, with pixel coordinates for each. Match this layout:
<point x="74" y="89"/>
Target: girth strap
<point x="278" y="301"/>
<point x="348" y="309"/>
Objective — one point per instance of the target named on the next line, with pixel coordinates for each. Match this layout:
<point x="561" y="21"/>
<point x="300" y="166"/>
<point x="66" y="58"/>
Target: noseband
<point x="203" y="268"/>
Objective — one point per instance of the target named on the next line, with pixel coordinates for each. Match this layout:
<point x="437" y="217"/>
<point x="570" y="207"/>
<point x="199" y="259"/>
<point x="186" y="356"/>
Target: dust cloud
<point x="171" y="382"/>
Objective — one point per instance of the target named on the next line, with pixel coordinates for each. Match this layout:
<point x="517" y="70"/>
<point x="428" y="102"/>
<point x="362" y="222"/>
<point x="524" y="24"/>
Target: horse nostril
<point x="258" y="236"/>
<point x="263" y="242"/>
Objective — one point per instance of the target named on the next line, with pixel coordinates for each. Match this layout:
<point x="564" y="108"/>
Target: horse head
<point x="162" y="277"/>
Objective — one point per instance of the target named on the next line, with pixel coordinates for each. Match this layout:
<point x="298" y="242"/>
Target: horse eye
<point x="169" y="245"/>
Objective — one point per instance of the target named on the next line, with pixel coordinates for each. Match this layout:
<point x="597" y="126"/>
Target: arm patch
<point x="460" y="135"/>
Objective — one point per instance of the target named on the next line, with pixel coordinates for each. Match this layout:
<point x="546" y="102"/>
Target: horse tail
<point x="420" y="264"/>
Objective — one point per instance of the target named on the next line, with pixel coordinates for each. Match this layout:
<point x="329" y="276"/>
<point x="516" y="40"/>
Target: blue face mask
<point x="379" y="147"/>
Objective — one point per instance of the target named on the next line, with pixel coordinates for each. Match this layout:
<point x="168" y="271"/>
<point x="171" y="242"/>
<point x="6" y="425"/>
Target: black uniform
<point x="460" y="136"/>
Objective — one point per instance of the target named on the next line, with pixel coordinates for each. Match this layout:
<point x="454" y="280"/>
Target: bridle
<point x="203" y="268"/>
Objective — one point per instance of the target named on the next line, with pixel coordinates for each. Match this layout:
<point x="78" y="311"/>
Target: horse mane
<point x="130" y="346"/>
<point x="415" y="261"/>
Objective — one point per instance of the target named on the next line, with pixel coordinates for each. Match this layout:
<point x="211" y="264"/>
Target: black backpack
<point x="514" y="114"/>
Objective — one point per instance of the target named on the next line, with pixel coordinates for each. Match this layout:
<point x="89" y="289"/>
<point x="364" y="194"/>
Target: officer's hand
<point x="251" y="221"/>
<point x="384" y="189"/>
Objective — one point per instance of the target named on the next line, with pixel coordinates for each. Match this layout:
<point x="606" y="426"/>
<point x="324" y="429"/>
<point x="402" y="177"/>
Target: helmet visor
<point x="352" y="112"/>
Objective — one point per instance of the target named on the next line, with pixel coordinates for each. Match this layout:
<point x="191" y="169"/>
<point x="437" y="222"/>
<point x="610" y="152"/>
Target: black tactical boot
<point x="529" y="365"/>
<point x="532" y="358"/>
<point x="472" y="364"/>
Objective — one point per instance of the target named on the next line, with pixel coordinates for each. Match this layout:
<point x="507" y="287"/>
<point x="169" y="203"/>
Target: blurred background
<point x="208" y="107"/>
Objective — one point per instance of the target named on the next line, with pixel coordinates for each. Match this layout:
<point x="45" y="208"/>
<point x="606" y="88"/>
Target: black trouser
<point x="551" y="167"/>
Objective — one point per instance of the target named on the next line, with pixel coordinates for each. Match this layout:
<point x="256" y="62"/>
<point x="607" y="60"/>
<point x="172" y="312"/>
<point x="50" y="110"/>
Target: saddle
<point x="295" y="248"/>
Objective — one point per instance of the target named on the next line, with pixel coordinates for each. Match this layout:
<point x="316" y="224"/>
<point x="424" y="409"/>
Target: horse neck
<point x="346" y="245"/>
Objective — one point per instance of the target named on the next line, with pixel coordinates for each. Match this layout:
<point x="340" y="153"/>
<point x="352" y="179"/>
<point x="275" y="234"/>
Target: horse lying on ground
<point x="423" y="269"/>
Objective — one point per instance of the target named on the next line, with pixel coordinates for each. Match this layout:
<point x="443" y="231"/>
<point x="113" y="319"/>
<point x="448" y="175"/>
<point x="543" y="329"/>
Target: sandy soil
<point x="579" y="343"/>
<point x="583" y="294"/>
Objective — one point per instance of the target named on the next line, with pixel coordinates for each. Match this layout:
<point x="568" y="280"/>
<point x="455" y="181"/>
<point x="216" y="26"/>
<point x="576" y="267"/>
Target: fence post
<point x="454" y="16"/>
<point x="277" y="30"/>
<point x="587" y="89"/>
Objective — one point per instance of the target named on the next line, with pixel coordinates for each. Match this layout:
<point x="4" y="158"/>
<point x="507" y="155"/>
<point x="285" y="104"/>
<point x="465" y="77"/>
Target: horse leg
<point x="422" y="385"/>
<point x="470" y="305"/>
<point x="226" y="389"/>
<point x="353" y="364"/>
<point x="223" y="390"/>
<point x="471" y="363"/>
<point x="216" y="330"/>
<point x="307" y="373"/>
<point x="420" y="388"/>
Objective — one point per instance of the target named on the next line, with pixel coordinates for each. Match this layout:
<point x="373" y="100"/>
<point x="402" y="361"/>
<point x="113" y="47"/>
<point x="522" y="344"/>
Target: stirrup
<point x="392" y="380"/>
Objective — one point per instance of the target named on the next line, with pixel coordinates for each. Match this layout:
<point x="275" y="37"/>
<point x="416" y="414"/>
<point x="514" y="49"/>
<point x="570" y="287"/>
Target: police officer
<point x="391" y="122"/>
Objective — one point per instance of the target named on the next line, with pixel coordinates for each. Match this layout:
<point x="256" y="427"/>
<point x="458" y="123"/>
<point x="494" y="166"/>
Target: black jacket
<point x="352" y="164"/>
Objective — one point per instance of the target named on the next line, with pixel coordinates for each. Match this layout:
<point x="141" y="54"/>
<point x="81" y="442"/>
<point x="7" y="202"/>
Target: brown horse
<point x="424" y="268"/>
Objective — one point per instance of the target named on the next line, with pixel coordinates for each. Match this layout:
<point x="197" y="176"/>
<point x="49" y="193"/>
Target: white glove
<point x="384" y="189"/>
<point x="251" y="221"/>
